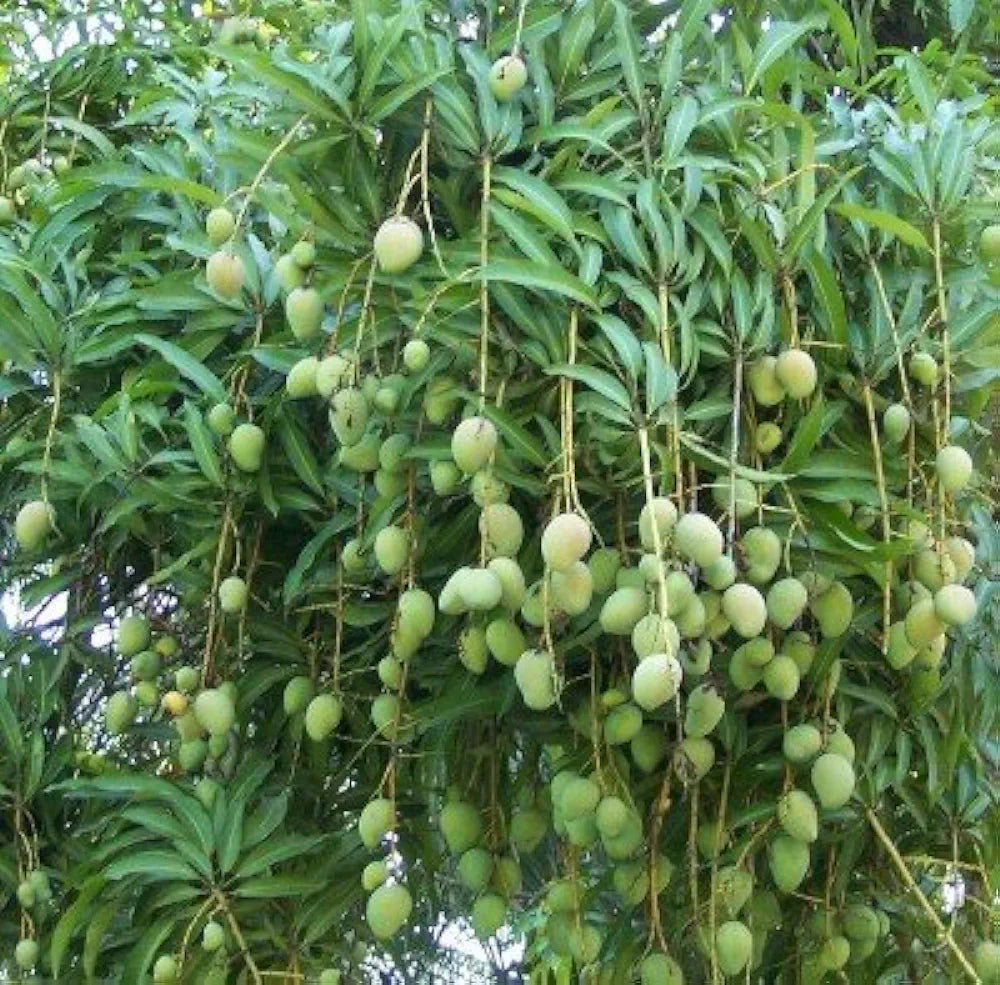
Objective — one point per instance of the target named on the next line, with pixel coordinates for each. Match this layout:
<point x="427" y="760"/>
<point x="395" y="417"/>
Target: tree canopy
<point x="527" y="469"/>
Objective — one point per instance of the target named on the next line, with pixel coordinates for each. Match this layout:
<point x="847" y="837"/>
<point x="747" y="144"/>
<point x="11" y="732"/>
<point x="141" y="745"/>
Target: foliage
<point x="680" y="191"/>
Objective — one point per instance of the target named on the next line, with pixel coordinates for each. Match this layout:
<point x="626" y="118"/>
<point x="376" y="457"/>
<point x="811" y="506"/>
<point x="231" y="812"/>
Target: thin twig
<point x="911" y="883"/>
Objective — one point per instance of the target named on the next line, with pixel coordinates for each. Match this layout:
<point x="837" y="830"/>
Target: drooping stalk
<point x="264" y="168"/>
<point x="425" y="191"/>
<point x="884" y="503"/>
<point x="484" y="294"/>
<point x="51" y="433"/>
<point x="734" y="446"/>
<point x="675" y="426"/>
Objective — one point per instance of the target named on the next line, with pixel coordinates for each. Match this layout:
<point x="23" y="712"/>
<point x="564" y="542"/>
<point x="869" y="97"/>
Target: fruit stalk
<point x="522" y="8"/>
<point x="189" y="930"/>
<point x="213" y="595"/>
<point x="76" y="136"/>
<point x="692" y="848"/>
<point x="884" y="503"/>
<point x="891" y="319"/>
<point x="734" y="444"/>
<point x="362" y="318"/>
<point x="240" y="939"/>
<point x="661" y="578"/>
<point x="239" y="396"/>
<point x="51" y="433"/>
<point x="943" y="315"/>
<point x="942" y="304"/>
<point x="3" y="155"/>
<point x="788" y="286"/>
<point x="484" y="293"/>
<point x="425" y="192"/>
<point x="659" y="813"/>
<point x="264" y="168"/>
<point x="675" y="435"/>
<point x="911" y="883"/>
<point x="714" y="873"/>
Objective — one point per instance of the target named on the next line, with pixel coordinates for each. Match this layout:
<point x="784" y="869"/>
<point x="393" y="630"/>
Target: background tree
<point x="275" y="701"/>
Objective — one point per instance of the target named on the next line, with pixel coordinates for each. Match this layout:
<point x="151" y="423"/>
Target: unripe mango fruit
<point x="215" y="711"/>
<point x="246" y="446"/>
<point x="133" y="635"/>
<point x="219" y="225"/>
<point x="796" y="372"/>
<point x="34" y="522"/>
<point x="322" y="716"/>
<point x="472" y="443"/>
<point x="304" y="312"/>
<point x="398" y="244"/>
<point x="954" y="468"/>
<point x="233" y="594"/>
<point x="896" y="423"/>
<point x="565" y="539"/>
<point x="388" y="909"/>
<point x="376" y="821"/>
<point x="763" y="379"/>
<point x="508" y="75"/>
<point x="656" y="680"/>
<point x="416" y="355"/>
<point x="225" y="273"/>
<point x="698" y="538"/>
<point x="833" y="780"/>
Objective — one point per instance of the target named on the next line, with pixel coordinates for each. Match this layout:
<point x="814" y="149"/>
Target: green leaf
<point x="94" y="938"/>
<point x="574" y="40"/>
<point x="538" y="198"/>
<point x="231" y="837"/>
<point x="661" y="378"/>
<point x="516" y="438"/>
<point x="692" y="18"/>
<point x="679" y="126"/>
<point x="186" y="365"/>
<point x="827" y="291"/>
<point x="152" y="866"/>
<point x="840" y="21"/>
<point x="262" y="67"/>
<point x="707" y="227"/>
<point x="594" y="185"/>
<point x="277" y="850"/>
<point x="800" y="235"/>
<point x="72" y="919"/>
<point x="960" y="14"/>
<point x="120" y="176"/>
<point x="533" y="275"/>
<point x="921" y="85"/>
<point x="776" y="41"/>
<point x="91" y="134"/>
<point x="892" y="224"/>
<point x="202" y="444"/>
<point x="301" y="456"/>
<point x="148" y="947"/>
<point x="624" y="234"/>
<point x="281" y="887"/>
<point x="386" y="105"/>
<point x="597" y="379"/>
<point x="628" y="52"/>
<point x="869" y="695"/>
<point x="264" y="821"/>
<point x="625" y="343"/>
<point x="10" y="730"/>
<point x="807" y="434"/>
<point x="376" y="60"/>
<point x="309" y="553"/>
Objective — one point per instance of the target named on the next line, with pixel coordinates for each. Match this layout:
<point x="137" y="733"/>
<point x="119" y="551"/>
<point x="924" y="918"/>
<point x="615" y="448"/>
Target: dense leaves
<point x="312" y="320"/>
